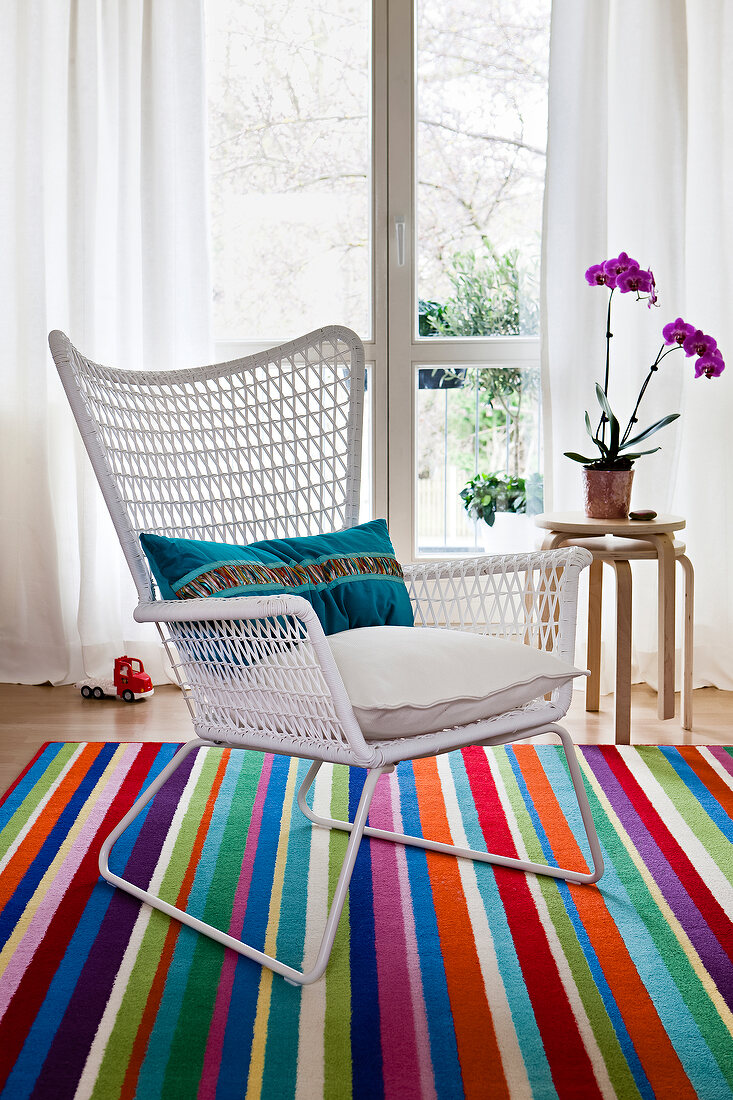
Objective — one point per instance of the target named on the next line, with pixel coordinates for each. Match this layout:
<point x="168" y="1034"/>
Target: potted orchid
<point x="608" y="475"/>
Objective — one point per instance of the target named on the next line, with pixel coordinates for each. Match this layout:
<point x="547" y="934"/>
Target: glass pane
<point x="290" y="141"/>
<point x="482" y="421"/>
<point x="481" y="137"/>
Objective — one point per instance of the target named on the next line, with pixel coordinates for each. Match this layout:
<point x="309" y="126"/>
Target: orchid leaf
<point x="578" y="458"/>
<point x="650" y="430"/>
<point x="598" y="442"/>
<point x="603" y="402"/>
<point x="613" y="423"/>
<point x="638" y="454"/>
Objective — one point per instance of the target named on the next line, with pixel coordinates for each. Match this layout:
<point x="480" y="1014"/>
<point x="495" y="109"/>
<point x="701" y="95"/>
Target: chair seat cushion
<point x="351" y="578"/>
<point x="407" y="681"/>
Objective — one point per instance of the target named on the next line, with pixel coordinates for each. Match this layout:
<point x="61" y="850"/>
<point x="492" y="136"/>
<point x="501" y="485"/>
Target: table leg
<point x="553" y="539"/>
<point x="622" y="697"/>
<point x="666" y="624"/>
<point x="595" y="601"/>
<point x="687" y="654"/>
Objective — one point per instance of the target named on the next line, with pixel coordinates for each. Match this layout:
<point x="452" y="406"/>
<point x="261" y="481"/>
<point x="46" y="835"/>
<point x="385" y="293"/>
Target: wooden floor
<point x="31" y="715"/>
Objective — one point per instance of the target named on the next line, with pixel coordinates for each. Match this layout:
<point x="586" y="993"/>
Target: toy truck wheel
<point x="86" y="691"/>
<point x="98" y="693"/>
<point x="128" y="696"/>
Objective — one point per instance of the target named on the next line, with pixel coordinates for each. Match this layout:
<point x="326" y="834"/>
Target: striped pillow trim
<point x="238" y="574"/>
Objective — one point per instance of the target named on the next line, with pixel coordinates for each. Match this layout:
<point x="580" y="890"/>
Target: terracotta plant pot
<point x="607" y="493"/>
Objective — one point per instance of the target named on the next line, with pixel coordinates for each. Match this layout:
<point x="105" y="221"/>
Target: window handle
<point x="399" y="226"/>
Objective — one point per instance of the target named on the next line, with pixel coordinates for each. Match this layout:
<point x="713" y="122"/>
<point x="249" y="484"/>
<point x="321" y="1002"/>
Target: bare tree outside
<point x="289" y="96"/>
<point x="481" y="137"/>
<point x="289" y="93"/>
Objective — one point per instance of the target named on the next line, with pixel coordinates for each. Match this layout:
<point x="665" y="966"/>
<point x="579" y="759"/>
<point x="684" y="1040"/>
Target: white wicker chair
<point x="269" y="446"/>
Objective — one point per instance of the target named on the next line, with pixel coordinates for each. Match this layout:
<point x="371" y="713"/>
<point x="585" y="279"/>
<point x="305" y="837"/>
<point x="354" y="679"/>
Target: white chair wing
<point x="263" y="447"/>
<point x="269" y="447"/>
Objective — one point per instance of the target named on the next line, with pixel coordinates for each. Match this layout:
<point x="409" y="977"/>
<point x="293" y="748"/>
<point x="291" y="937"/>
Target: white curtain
<point x="639" y="159"/>
<point x="103" y="219"/>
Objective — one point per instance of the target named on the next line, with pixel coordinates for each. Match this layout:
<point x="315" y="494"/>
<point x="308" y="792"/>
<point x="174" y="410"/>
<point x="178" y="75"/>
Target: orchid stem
<point x="602" y="423"/>
<point x="653" y="368"/>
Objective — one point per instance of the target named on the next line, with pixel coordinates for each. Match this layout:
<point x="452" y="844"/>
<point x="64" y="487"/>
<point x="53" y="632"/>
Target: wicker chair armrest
<point x="528" y="597"/>
<point x="485" y="564"/>
<point x="225" y="609"/>
<point x="241" y="655"/>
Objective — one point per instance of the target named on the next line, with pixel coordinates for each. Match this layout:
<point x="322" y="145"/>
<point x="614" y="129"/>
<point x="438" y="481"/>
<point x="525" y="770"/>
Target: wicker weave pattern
<point x="521" y="597"/>
<point x="259" y="683"/>
<point x="527" y="598"/>
<point x="263" y="447"/>
<point x="259" y="673"/>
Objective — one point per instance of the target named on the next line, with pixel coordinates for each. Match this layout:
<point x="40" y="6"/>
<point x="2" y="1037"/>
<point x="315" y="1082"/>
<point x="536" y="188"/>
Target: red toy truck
<point x="130" y="682"/>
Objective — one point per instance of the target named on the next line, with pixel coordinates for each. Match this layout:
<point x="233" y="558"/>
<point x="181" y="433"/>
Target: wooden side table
<point x="617" y="543"/>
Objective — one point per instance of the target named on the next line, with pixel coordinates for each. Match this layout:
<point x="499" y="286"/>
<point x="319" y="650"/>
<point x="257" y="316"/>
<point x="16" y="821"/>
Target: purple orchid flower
<point x="710" y="364"/>
<point x="596" y="276"/>
<point x="676" y="332"/>
<point x="635" y="279"/>
<point x="652" y="299"/>
<point x="618" y="265"/>
<point x="697" y="343"/>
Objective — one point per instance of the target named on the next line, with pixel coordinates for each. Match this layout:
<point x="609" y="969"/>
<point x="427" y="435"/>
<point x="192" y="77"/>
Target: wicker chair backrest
<point x="268" y="446"/>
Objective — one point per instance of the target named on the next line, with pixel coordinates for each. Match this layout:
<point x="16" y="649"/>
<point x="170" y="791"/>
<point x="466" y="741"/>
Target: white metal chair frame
<point x="269" y="446"/>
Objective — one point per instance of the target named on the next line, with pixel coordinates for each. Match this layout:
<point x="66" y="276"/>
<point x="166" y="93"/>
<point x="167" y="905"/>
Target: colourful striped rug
<point x="447" y="979"/>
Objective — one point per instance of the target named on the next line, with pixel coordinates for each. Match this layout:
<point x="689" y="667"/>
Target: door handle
<point x="399" y="226"/>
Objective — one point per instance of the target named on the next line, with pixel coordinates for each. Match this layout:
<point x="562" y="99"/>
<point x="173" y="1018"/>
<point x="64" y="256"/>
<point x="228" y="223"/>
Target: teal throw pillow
<point x="351" y="578"/>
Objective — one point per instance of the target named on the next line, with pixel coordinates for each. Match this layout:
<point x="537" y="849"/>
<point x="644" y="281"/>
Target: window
<point x="382" y="166"/>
